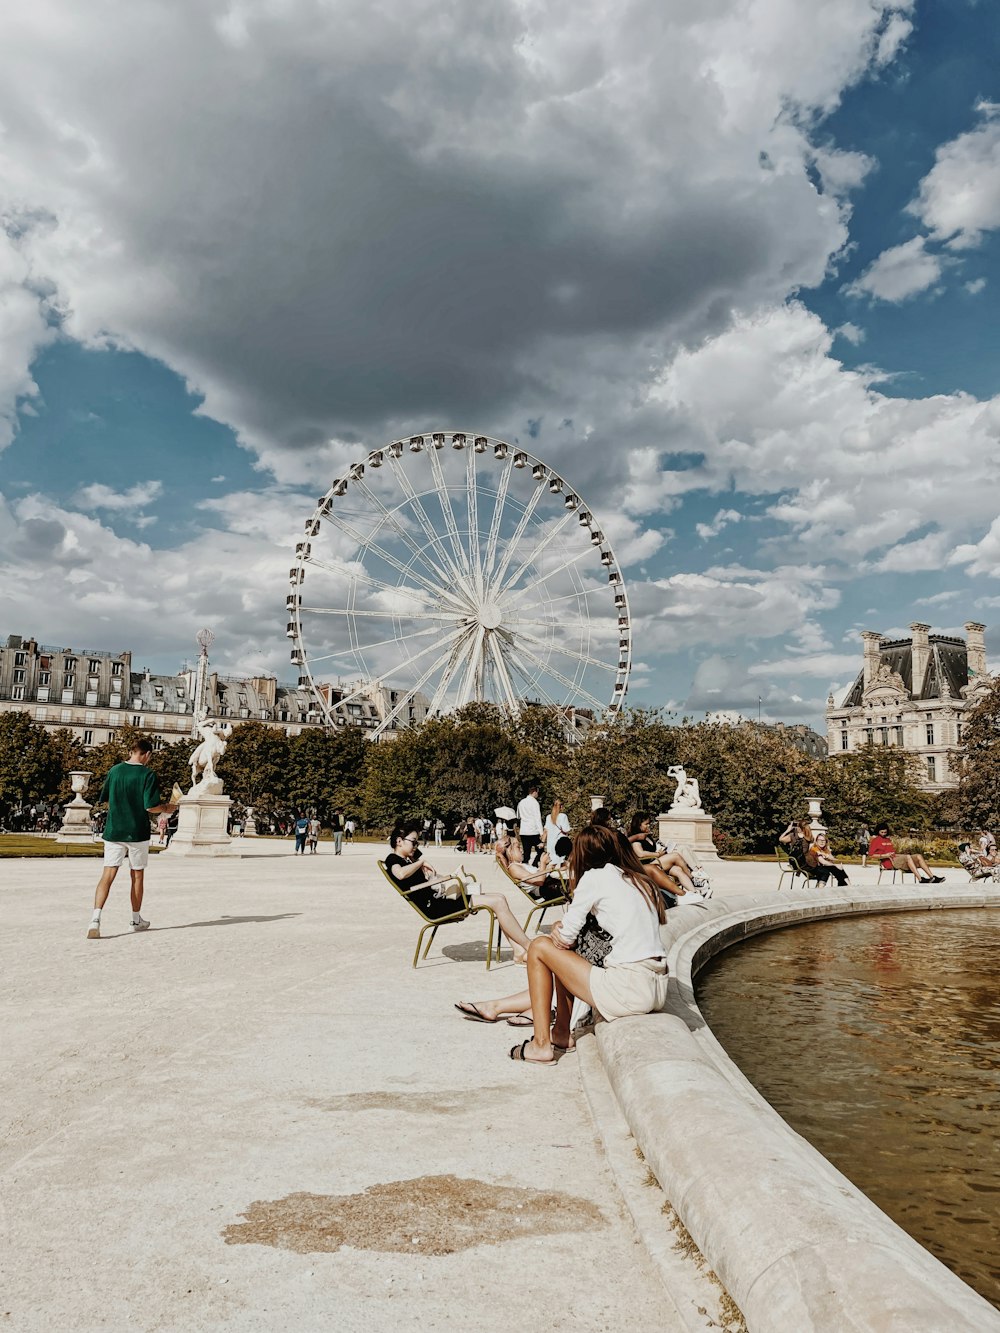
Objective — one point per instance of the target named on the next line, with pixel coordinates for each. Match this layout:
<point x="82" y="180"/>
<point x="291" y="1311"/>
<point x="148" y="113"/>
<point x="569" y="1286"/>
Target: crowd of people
<point x="615" y="886"/>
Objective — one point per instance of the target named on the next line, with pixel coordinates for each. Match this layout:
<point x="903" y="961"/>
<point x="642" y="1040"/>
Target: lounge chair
<point x="460" y="907"/>
<point x="550" y="897"/>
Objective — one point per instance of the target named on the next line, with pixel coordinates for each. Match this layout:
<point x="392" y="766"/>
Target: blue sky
<point x="732" y="273"/>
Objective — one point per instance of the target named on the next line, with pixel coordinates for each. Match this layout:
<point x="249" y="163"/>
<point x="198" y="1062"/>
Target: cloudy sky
<point x="730" y="265"/>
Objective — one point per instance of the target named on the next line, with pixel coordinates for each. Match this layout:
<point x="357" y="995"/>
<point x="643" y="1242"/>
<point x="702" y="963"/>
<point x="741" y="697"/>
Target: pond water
<point x="878" y="1040"/>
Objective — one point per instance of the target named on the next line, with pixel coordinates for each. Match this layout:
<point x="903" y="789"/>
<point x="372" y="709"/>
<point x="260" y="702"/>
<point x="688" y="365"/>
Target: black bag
<point x="593" y="943"/>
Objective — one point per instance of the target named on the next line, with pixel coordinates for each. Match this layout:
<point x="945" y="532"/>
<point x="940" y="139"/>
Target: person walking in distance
<point x="315" y="829"/>
<point x="529" y="814"/>
<point x="132" y="793"/>
<point x="338" y="823"/>
<point x="301" y="830"/>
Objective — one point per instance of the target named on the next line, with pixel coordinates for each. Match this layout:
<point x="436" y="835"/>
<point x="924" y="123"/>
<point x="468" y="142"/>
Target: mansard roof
<point x="947" y="661"/>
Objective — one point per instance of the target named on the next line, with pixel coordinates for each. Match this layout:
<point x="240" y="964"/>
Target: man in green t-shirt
<point x="133" y="794"/>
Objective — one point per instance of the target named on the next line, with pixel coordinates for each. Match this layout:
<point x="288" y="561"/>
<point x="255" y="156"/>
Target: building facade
<point x="913" y="693"/>
<point x="93" y="692"/>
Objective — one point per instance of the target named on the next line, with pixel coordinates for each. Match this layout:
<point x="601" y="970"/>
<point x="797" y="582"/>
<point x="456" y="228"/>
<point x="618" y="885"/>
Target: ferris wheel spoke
<point x="519" y="532"/>
<point x="413" y="691"/>
<point x="502" y="673"/>
<point x="567" y="564"/>
<point x="382" y="643"/>
<point x="546" y="541"/>
<point x="358" y="574"/>
<point x="457" y="657"/>
<point x="554" y="646"/>
<point x="474" y="669"/>
<point x="472" y="509"/>
<point x="423" y="519"/>
<point x="498" y="508"/>
<point x="550" y="670"/>
<point x="531" y="680"/>
<point x="420" y="614"/>
<point x="444" y="499"/>
<point x="436" y="590"/>
<point x="549" y="601"/>
<point x="364" y="687"/>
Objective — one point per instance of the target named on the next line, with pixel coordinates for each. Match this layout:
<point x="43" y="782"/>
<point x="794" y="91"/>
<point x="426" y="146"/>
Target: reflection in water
<point x="878" y="1040"/>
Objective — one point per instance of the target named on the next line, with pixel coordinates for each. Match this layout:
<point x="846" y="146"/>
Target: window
<point x="116" y="687"/>
<point x="114" y="719"/>
<point x="157" y="742"/>
<point x="88" y="738"/>
<point x="180" y="691"/>
<point x="869" y="736"/>
<point x="44" y="677"/>
<point x="158" y="689"/>
<point x="899" y="737"/>
<point x="91" y="698"/>
<point x="17" y="692"/>
<point x="90" y="719"/>
<point x="116" y="668"/>
<point x="137" y="719"/>
<point x="843" y="738"/>
<point x="20" y="659"/>
<point x="883" y="735"/>
<point x="931" y="768"/>
<point x="67" y="696"/>
<point x="930" y="734"/>
<point x="66" y="715"/>
<point x="69" y="680"/>
<point x="94" y="667"/>
<point x="41" y="714"/>
<point x="69" y="663"/>
<point x="18" y="677"/>
<point x="959" y="733"/>
<point x="43" y="694"/>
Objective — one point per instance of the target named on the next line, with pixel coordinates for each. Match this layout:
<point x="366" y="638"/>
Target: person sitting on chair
<point x="544" y="878"/>
<point x="820" y="859"/>
<point x="406" y="864"/>
<point x="881" y="846"/>
<point x="975" y="863"/>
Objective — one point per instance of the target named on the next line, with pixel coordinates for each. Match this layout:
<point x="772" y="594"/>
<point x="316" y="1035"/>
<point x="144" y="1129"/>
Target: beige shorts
<point x="631" y="988"/>
<point x="115" y="854"/>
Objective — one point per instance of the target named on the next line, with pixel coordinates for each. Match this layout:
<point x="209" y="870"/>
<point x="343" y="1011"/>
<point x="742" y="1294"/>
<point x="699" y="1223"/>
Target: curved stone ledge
<point x="797" y="1245"/>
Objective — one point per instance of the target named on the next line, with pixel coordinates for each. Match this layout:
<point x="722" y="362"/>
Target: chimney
<point x="871" y="639"/>
<point x="920" y="658"/>
<point x="977" y="649"/>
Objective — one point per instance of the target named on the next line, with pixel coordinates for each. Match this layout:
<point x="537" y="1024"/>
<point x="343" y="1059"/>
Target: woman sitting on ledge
<point x="406" y="864"/>
<point x="671" y="863"/>
<point x="889" y="859"/>
<point x="612" y="886"/>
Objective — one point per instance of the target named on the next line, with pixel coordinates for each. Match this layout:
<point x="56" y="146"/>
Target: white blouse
<point x="621" y="910"/>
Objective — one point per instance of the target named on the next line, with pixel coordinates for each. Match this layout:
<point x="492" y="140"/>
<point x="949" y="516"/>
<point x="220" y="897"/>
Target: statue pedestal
<point x="76" y="822"/>
<point x="202" y="822"/>
<point x="690" y="828"/>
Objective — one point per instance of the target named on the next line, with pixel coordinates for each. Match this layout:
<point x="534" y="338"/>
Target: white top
<point x="554" y="830"/>
<point x="621" y="910"/>
<point x="529" y="813"/>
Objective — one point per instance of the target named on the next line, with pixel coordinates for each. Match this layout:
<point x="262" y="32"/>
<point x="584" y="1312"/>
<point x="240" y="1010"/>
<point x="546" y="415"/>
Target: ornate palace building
<point x="92" y="692"/>
<point x="913" y="693"/>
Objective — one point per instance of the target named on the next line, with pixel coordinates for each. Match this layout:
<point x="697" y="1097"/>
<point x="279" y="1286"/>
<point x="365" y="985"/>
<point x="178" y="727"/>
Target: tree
<point x="70" y="757"/>
<point x="326" y="769"/>
<point x="255" y="767"/>
<point x="30" y="768"/>
<point x="876" y="784"/>
<point x="626" y="762"/>
<point x="979" y="784"/>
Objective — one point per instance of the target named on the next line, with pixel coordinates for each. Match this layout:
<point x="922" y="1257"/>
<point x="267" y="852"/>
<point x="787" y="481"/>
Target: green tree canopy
<point x="979" y="786"/>
<point x="30" y="767"/>
<point x="255" y="767"/>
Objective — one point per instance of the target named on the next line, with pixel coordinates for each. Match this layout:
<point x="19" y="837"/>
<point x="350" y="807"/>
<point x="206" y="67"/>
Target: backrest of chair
<point x="462" y="904"/>
<point x="781" y="856"/>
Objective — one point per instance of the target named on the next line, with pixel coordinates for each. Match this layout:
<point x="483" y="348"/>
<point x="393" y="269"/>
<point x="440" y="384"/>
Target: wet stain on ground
<point x="428" y="1215"/>
<point x="436" y="1103"/>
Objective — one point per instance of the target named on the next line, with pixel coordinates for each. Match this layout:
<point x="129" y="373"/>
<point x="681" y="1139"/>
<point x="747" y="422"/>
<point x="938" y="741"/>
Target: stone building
<point x="912" y="693"/>
<point x="92" y="692"/>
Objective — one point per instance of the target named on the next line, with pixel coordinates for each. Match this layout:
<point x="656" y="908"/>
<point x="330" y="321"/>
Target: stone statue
<point x="213" y="746"/>
<point x="687" y="795"/>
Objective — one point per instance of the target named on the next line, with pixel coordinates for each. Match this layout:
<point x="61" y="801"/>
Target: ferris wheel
<point x="451" y="568"/>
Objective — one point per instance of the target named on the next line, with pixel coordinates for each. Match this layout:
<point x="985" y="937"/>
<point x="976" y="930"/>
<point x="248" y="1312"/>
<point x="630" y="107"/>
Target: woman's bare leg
<point x="547" y="963"/>
<point x="506" y="920"/>
<point x="677" y="867"/>
<point x="508" y="1004"/>
<point x="564" y="1012"/>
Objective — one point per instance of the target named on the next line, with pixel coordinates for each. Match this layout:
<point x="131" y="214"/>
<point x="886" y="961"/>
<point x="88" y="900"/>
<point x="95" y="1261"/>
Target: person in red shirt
<point x="881" y="847"/>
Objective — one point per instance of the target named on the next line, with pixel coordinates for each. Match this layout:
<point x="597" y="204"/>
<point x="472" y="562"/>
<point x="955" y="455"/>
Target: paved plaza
<point x="268" y="1043"/>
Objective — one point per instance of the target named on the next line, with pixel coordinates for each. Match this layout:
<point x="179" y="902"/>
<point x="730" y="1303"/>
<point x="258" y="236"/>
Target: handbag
<point x="593" y="943"/>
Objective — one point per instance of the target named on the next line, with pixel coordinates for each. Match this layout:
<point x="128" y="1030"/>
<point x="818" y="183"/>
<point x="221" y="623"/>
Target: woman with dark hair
<point x="883" y="848"/>
<point x="430" y="891"/>
<point x="671" y="863"/>
<point x="612" y="887"/>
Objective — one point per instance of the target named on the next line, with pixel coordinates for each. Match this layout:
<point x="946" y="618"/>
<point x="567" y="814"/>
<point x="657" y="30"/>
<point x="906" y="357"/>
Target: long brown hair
<point x="596" y="846"/>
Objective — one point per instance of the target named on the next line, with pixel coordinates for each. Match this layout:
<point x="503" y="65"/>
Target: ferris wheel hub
<point x="490" y="615"/>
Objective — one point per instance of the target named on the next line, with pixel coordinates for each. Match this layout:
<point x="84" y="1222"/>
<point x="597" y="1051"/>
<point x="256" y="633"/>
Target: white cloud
<point x="939" y="598"/>
<point x="412" y="213"/>
<point x="137" y="497"/>
<point x="959" y="198"/>
<point x="975" y="286"/>
<point x="722" y="520"/>
<point x="851" y="332"/>
<point x="899" y="272"/>
<point x="824" y="665"/>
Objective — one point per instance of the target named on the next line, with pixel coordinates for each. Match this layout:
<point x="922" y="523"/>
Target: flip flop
<point x="520" y="1021"/>
<point x="517" y="1053"/>
<point x="472" y="1012"/>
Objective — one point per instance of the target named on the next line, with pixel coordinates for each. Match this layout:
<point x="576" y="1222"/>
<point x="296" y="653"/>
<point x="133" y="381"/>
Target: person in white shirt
<point x="611" y="885"/>
<point x="556" y="826"/>
<point x="529" y="814"/>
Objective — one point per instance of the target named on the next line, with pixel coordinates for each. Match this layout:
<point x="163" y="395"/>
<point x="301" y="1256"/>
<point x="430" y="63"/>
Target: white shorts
<point x="629" y="988"/>
<point x="137" y="853"/>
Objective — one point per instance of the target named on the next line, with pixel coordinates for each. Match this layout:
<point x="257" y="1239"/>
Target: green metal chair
<point x="800" y="867"/>
<point x="893" y="871"/>
<point x="463" y="909"/>
<point x="541" y="905"/>
<point x="785" y="867"/>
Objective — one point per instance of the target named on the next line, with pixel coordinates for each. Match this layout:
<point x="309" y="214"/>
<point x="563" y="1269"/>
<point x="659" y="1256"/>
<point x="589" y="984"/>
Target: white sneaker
<point x="94" y="933"/>
<point x="140" y="925"/>
<point x="692" y="899"/>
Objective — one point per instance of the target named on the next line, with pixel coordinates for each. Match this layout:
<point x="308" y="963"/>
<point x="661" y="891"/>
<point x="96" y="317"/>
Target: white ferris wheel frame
<point x="478" y="644"/>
